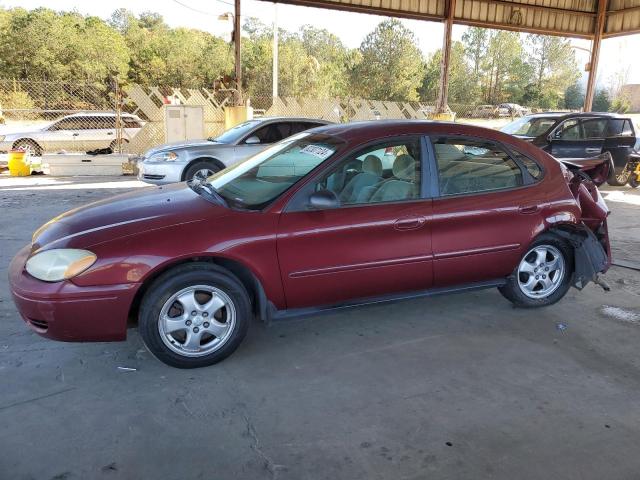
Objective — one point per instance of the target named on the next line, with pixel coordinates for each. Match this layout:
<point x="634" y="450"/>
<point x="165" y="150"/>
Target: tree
<point x="299" y="72"/>
<point x="46" y="45"/>
<point x="333" y="59"/>
<point x="462" y="85"/>
<point x="574" y="97"/>
<point x="505" y="50"/>
<point x="475" y="42"/>
<point x="601" y="102"/>
<point x="553" y="65"/>
<point x="180" y="57"/>
<point x="392" y="67"/>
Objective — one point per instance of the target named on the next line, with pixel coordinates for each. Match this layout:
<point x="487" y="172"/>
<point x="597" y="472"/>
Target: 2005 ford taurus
<point x="339" y="215"/>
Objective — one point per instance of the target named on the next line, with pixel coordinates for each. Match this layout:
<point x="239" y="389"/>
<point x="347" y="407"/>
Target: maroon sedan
<point x="339" y="215"/>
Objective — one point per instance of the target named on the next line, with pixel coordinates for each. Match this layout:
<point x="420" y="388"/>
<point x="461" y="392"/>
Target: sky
<point x="351" y="28"/>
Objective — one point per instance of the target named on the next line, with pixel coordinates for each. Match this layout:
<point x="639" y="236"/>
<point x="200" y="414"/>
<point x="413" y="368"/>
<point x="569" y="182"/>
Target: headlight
<point x="164" y="157"/>
<point x="59" y="264"/>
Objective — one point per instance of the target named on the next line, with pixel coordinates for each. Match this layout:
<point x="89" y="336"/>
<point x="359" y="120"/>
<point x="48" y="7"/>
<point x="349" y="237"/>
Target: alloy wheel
<point x="202" y="174"/>
<point x="541" y="271"/>
<point x="623" y="176"/>
<point x="197" y="320"/>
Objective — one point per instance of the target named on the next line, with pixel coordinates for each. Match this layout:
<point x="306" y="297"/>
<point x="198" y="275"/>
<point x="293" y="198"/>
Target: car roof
<point x="365" y="131"/>
<point x="291" y="119"/>
<point x="565" y="115"/>
<point x="98" y="114"/>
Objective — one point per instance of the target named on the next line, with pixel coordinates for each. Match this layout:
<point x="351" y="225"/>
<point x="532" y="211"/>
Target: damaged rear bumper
<point x="592" y="254"/>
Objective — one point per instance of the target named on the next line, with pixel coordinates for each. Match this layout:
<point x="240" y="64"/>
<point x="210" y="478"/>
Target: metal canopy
<point x="569" y="18"/>
<point x="590" y="19"/>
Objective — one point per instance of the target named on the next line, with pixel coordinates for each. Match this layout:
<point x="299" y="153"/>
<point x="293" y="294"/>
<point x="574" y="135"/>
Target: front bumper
<point x="160" y="173"/>
<point x="64" y="311"/>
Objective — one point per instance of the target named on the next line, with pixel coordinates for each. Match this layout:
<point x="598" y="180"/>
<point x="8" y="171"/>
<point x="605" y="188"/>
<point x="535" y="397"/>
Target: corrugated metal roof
<point x="623" y="17"/>
<point x="573" y="18"/>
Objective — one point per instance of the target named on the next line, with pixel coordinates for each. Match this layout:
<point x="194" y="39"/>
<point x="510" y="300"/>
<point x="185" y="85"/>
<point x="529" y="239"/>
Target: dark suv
<point x="581" y="135"/>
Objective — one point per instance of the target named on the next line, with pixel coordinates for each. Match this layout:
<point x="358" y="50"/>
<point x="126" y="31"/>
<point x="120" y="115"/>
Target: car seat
<point x="403" y="184"/>
<point x="371" y="175"/>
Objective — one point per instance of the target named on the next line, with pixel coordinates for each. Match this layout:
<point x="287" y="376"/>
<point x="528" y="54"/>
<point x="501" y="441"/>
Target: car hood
<point x="151" y="208"/>
<point x="181" y="145"/>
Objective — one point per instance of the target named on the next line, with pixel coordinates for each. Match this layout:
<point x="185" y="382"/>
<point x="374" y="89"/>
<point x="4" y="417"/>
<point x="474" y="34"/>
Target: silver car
<point x="78" y="132"/>
<point x="201" y="158"/>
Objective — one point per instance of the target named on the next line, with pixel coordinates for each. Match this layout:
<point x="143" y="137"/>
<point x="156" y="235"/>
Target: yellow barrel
<point x="18" y="166"/>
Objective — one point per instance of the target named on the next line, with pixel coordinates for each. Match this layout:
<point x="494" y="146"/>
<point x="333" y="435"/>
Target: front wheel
<point x="633" y="181"/>
<point x="543" y="275"/>
<point x="29" y="146"/>
<point x="200" y="171"/>
<point x="195" y="315"/>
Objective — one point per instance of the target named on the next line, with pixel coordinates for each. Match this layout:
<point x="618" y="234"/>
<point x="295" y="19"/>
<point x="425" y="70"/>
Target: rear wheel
<point x="29" y="146"/>
<point x="113" y="146"/>
<point x="619" y="176"/>
<point x="195" y="315"/>
<point x="543" y="275"/>
<point x="633" y="180"/>
<point x="201" y="170"/>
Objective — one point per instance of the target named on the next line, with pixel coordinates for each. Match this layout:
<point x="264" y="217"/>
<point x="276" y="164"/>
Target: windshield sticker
<point x="317" y="151"/>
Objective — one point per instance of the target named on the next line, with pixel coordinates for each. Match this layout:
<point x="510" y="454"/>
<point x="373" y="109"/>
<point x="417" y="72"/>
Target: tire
<point x="113" y="146"/>
<point x="202" y="169"/>
<point x="223" y="314"/>
<point x="28" y="145"/>
<point x="517" y="290"/>
<point x="633" y="181"/>
<point x="619" y="176"/>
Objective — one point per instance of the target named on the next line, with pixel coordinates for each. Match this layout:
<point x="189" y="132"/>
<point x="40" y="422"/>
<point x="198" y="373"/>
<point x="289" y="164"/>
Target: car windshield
<point x="235" y="133"/>
<point x="257" y="181"/>
<point x="529" y="126"/>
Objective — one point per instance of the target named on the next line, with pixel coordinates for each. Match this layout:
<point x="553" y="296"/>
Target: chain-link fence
<point x="52" y="117"/>
<point x="45" y="116"/>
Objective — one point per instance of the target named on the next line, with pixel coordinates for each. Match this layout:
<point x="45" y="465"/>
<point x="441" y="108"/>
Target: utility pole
<point x="595" y="54"/>
<point x="238" y="58"/>
<point x="442" y="105"/>
<point x="274" y="93"/>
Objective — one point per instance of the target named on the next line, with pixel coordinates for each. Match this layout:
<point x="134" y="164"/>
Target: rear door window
<point x="619" y="127"/>
<point x="129" y="122"/>
<point x="473" y="166"/>
<point x="594" y="127"/>
<point x="73" y="123"/>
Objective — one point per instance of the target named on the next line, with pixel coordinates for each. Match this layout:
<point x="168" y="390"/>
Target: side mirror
<point x="252" y="140"/>
<point x="323" y="200"/>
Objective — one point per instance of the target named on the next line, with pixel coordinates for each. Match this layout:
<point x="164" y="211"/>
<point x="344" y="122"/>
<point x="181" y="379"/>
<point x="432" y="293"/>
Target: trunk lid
<point x="597" y="168"/>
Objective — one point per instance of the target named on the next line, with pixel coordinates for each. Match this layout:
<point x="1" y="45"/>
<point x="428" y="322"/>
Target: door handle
<point x="409" y="223"/>
<point x="528" y="209"/>
<point x="592" y="150"/>
<point x="109" y="133"/>
<point x="75" y="134"/>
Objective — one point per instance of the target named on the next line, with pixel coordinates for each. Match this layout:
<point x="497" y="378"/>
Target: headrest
<point x="372" y="164"/>
<point x="404" y="168"/>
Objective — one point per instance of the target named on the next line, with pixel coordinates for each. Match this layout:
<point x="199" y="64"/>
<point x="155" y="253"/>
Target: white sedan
<point x="77" y="132"/>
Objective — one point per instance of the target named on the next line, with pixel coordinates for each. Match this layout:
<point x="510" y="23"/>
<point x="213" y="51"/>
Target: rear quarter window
<point x="534" y="169"/>
<point x="620" y="127"/>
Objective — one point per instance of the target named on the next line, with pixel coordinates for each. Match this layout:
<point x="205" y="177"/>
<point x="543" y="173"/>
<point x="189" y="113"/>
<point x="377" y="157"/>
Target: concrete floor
<point x="457" y="387"/>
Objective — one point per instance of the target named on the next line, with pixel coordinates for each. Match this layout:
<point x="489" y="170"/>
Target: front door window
<point x="385" y="172"/>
